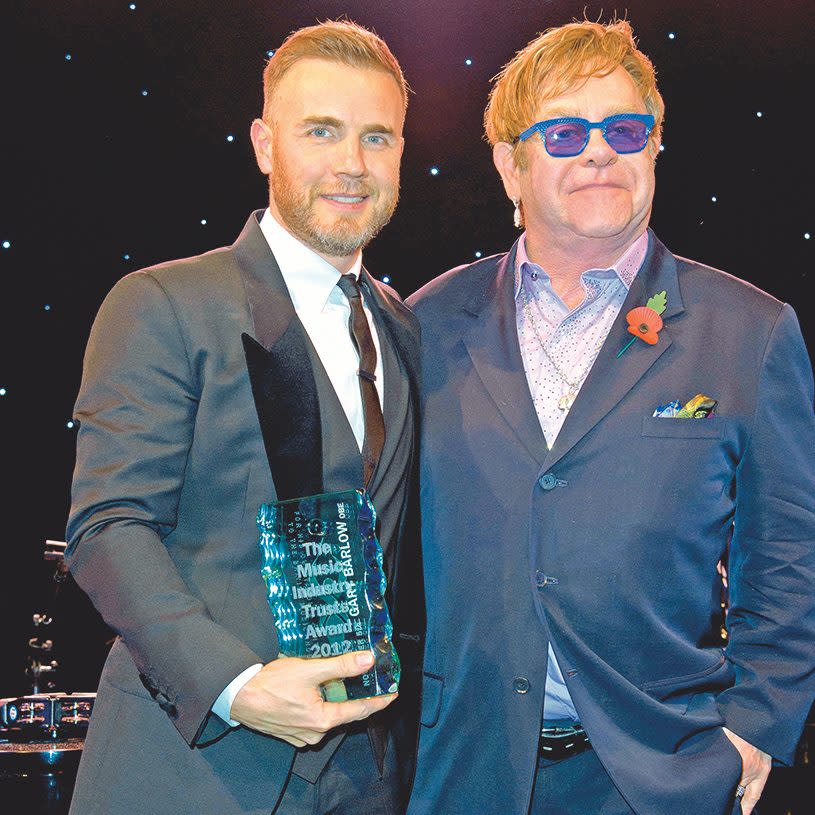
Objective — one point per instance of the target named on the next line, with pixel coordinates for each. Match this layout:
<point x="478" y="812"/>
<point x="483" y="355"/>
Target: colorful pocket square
<point x="667" y="411"/>
<point x="700" y="407"/>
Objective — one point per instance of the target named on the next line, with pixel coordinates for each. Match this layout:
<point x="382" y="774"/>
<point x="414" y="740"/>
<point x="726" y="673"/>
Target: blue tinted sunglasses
<point x="568" y="136"/>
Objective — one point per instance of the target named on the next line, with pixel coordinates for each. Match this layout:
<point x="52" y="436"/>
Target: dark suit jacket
<point x="172" y="465"/>
<point x="614" y="555"/>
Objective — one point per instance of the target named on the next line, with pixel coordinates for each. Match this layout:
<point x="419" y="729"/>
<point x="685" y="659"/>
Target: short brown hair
<point x="557" y="61"/>
<point x="340" y="41"/>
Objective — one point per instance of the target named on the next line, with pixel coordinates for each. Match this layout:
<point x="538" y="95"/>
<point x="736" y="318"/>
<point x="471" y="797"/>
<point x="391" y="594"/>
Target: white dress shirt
<point x="324" y="312"/>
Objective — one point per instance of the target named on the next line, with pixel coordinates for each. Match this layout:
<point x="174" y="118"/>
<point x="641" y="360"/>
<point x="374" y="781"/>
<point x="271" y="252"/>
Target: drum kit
<point x="43" y="732"/>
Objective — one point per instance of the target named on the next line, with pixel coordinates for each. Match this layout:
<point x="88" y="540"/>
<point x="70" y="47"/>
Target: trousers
<point x="350" y="784"/>
<point x="576" y="786"/>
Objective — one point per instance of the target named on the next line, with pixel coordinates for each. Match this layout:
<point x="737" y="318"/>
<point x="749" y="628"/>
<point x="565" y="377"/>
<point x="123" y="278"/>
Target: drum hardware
<point x="41" y="666"/>
<point x="45" y="715"/>
<point x="42" y="733"/>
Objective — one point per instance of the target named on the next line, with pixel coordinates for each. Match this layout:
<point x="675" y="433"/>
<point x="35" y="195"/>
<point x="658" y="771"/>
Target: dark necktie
<point x="364" y="343"/>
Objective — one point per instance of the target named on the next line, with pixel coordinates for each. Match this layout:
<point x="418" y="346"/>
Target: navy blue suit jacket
<point x="641" y="511"/>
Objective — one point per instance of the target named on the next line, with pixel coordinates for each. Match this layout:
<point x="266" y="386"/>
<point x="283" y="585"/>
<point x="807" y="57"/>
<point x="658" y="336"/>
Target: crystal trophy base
<point x="322" y="566"/>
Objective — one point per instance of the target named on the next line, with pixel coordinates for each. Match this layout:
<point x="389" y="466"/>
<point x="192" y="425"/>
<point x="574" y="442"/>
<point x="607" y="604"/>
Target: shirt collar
<point x="310" y="279"/>
<point x="625" y="267"/>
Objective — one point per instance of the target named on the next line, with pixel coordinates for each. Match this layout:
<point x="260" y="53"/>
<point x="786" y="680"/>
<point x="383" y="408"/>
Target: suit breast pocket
<point x="655" y="427"/>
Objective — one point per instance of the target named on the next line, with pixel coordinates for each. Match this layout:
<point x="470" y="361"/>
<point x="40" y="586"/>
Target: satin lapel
<point x="492" y="343"/>
<point x="280" y="371"/>
<point x="610" y="378"/>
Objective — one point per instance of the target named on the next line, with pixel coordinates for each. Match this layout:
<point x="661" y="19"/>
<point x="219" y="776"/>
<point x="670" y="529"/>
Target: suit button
<point x="520" y="684"/>
<point x="548" y="481"/>
<point x="543" y="580"/>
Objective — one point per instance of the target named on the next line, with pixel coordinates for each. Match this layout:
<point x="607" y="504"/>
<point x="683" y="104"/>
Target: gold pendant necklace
<point x="567" y="400"/>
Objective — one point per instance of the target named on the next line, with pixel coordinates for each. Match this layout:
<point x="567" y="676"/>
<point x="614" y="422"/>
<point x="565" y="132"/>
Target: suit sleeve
<point x="137" y="409"/>
<point x="772" y="559"/>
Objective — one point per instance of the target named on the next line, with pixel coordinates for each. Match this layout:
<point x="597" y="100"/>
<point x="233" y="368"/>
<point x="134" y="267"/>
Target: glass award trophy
<point x="322" y="565"/>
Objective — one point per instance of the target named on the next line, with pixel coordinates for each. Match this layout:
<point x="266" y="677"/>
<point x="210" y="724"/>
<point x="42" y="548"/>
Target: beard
<point x="341" y="235"/>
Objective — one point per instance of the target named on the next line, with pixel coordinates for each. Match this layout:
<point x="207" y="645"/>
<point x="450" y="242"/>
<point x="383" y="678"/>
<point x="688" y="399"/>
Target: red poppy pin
<point x="644" y="322"/>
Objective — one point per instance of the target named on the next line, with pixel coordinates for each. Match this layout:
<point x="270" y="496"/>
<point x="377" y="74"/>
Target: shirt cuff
<point x="222" y="706"/>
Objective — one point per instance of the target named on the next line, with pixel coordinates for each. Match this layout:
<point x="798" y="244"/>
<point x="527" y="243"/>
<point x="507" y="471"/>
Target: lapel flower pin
<point x="644" y="322"/>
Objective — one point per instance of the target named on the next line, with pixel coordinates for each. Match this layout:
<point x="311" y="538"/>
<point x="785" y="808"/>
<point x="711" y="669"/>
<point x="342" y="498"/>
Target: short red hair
<point x="340" y="41"/>
<point x="559" y="60"/>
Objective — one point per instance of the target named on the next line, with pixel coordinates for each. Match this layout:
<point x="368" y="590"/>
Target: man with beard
<point x="270" y="369"/>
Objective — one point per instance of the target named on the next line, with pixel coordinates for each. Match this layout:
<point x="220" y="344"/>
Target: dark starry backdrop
<point x="125" y="142"/>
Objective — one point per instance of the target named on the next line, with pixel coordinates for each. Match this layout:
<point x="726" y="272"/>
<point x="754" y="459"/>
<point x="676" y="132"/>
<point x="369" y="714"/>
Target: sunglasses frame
<point x="540" y="127"/>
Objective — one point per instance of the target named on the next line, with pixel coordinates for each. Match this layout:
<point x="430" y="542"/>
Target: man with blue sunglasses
<point x="603" y="422"/>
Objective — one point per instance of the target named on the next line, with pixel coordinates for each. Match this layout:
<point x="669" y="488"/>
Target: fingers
<point x="753" y="788"/>
<point x="353" y="664"/>
<point x="748" y="803"/>
<point x="756" y="766"/>
<point x="301" y="738"/>
<point x="752" y="794"/>
<point x="333" y="715"/>
<point x="337" y="713"/>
